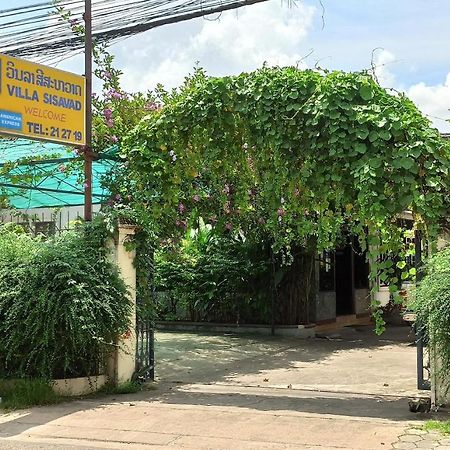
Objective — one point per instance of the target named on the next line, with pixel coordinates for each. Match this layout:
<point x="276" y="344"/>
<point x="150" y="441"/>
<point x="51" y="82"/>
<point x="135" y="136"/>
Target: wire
<point x="35" y="30"/>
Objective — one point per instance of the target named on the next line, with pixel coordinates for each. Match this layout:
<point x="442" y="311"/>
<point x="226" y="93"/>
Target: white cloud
<point x="266" y="32"/>
<point x="237" y="41"/>
<point x="381" y="61"/>
<point x="433" y="101"/>
<point x="242" y="40"/>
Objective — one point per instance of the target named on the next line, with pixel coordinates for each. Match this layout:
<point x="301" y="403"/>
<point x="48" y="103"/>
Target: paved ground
<point x="347" y="392"/>
<point x="353" y="360"/>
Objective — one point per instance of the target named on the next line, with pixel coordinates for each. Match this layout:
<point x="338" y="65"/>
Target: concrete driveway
<point x="347" y="391"/>
<point x="353" y="360"/>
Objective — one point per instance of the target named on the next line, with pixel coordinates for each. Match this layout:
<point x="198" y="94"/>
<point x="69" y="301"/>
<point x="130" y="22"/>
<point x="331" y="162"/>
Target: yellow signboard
<point x="40" y="102"/>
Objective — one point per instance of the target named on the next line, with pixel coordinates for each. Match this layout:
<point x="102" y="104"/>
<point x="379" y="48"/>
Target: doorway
<point x="344" y="285"/>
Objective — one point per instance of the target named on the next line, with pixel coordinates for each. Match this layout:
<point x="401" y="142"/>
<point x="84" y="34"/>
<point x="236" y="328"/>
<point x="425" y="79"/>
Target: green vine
<point x="292" y="155"/>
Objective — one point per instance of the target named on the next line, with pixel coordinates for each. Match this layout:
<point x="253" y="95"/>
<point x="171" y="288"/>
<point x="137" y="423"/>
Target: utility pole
<point x="88" y="110"/>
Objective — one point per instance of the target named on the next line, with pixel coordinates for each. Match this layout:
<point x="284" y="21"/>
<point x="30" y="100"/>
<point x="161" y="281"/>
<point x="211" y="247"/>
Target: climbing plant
<point x="300" y="156"/>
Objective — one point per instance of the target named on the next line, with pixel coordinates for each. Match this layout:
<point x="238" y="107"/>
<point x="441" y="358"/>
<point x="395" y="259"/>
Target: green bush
<point x="61" y="303"/>
<point x="214" y="278"/>
<point x="432" y="304"/>
<point x="127" y="387"/>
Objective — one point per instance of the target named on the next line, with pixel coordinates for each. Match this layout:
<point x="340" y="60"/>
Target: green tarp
<point x="38" y="175"/>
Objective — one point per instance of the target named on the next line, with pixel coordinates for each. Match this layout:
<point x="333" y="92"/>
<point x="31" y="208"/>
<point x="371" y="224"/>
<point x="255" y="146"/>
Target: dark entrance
<point x="344" y="281"/>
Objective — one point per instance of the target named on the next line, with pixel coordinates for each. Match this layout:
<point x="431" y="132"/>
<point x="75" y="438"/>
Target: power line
<point x="35" y="30"/>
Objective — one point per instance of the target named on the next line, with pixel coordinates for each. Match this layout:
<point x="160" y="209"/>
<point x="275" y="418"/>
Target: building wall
<point x="362" y="301"/>
<point x="325" y="306"/>
<point x="63" y="218"/>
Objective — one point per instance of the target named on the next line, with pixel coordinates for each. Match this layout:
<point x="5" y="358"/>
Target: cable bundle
<point x="37" y="32"/>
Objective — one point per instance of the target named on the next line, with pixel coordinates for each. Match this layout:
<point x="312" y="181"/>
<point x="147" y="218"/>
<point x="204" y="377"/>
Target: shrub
<point x="214" y="278"/>
<point x="127" y="387"/>
<point x="62" y="303"/>
<point x="432" y="304"/>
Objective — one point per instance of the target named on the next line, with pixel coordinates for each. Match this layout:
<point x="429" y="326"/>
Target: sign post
<point x="40" y="102"/>
<point x="88" y="76"/>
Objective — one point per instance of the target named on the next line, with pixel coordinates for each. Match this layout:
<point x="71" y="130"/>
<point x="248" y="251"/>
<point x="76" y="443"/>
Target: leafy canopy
<point x="296" y="153"/>
<point x="290" y="154"/>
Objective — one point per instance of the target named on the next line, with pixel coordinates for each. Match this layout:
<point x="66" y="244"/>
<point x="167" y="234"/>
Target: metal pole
<point x="274" y="293"/>
<point x="88" y="110"/>
<point x="419" y="334"/>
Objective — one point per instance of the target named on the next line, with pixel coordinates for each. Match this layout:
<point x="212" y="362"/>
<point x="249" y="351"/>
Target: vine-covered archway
<point x="301" y="157"/>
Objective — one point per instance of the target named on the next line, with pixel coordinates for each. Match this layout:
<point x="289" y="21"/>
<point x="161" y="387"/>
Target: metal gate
<point x="145" y="355"/>
<point x="423" y="362"/>
<point x="423" y="353"/>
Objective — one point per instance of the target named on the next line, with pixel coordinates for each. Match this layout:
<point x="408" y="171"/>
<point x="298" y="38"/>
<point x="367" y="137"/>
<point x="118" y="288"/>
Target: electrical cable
<point x="35" y="30"/>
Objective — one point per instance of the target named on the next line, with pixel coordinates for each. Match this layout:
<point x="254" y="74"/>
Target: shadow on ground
<point x="267" y="399"/>
<point x="354" y="360"/>
<point x="245" y="373"/>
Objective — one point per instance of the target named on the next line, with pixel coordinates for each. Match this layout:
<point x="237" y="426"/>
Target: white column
<point x="121" y="365"/>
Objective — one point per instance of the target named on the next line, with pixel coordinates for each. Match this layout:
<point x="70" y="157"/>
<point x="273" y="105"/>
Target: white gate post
<point x="122" y="364"/>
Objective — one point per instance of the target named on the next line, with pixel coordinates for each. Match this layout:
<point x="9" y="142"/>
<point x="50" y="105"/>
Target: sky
<point x="406" y="40"/>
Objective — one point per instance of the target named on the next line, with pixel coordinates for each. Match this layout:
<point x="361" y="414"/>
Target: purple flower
<point x="181" y="208"/>
<point x="107" y="112"/>
<point x="118" y="197"/>
<point x="196" y="198"/>
<point x="228" y="226"/>
<point x="114" y="139"/>
<point x="85" y="185"/>
<point x="151" y="106"/>
<point x="109" y="123"/>
<point x="107" y="75"/>
<point x="73" y="22"/>
<point x="281" y="212"/>
<point x="115" y="94"/>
